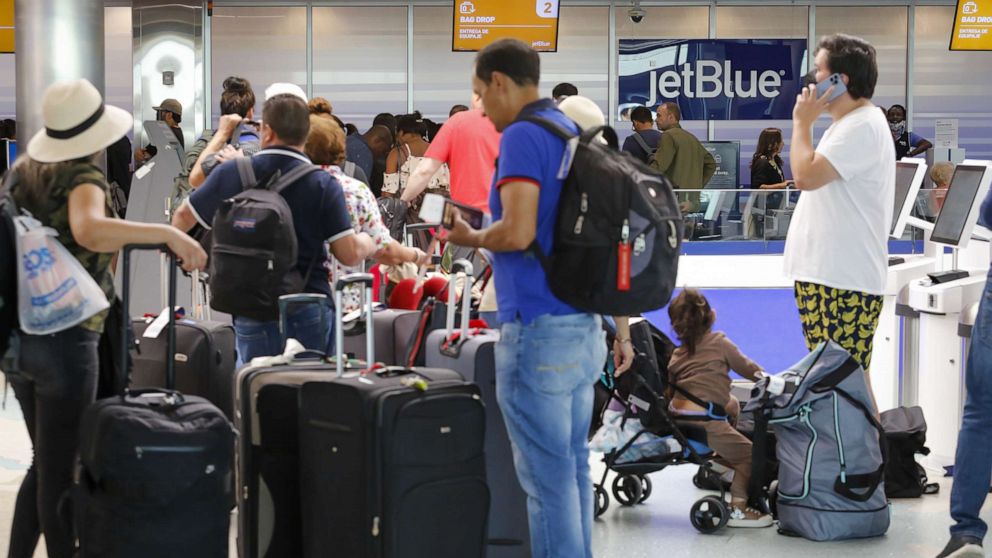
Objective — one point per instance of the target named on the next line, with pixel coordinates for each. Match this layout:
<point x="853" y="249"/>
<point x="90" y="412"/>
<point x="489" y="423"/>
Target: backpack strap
<point x="585" y="136"/>
<point x="295" y="174"/>
<point x="247" y="172"/>
<point x="644" y="145"/>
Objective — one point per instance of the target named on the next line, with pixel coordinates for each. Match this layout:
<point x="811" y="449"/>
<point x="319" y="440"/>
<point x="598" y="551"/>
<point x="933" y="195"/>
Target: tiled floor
<point x="658" y="528"/>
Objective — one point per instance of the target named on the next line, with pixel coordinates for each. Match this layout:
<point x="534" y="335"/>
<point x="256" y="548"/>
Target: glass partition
<point x="726" y="215"/>
<point x="360" y="60"/>
<point x="264" y="45"/>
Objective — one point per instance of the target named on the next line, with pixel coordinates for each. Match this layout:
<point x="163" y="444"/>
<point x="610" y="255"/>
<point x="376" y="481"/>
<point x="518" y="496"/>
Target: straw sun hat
<point x="77" y="123"/>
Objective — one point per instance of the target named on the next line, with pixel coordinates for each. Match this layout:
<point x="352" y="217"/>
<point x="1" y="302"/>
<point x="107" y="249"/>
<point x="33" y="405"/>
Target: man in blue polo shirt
<point x="319" y="214"/>
<point x="550" y="353"/>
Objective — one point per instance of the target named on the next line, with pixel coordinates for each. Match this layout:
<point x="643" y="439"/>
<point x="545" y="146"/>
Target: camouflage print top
<point x="55" y="214"/>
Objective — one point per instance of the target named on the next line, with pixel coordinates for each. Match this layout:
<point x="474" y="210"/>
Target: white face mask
<point x="898" y="128"/>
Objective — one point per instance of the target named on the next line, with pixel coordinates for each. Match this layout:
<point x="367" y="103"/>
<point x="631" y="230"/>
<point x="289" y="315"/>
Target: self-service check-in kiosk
<point x="152" y="190"/>
<point x="940" y="299"/>
<point x="886" y="377"/>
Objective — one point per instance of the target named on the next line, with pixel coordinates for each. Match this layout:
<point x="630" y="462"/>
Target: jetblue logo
<point x="708" y="79"/>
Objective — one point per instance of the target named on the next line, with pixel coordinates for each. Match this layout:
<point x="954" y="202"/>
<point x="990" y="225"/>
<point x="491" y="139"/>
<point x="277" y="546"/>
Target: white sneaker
<point x="749" y="518"/>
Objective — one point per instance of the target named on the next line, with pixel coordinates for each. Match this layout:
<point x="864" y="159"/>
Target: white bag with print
<point x="55" y="292"/>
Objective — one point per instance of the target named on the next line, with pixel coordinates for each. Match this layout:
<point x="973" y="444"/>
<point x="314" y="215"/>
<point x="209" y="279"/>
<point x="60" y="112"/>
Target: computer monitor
<point x="965" y="194"/>
<point x="910" y="174"/>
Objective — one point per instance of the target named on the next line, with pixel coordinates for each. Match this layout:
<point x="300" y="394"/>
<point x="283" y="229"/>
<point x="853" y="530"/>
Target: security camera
<point x="636" y="14"/>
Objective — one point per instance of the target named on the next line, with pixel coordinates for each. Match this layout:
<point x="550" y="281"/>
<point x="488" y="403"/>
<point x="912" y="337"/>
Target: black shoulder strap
<point x="246" y="172"/>
<point x="644" y="145"/>
<point x="292" y="176"/>
<point x="550" y="126"/>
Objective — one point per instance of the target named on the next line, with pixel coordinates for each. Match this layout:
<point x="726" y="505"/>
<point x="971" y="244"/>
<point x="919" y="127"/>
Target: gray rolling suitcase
<point x="269" y="514"/>
<point x="471" y="353"/>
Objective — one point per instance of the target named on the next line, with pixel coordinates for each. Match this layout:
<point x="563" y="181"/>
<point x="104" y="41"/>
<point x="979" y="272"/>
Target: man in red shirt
<point x="469" y="144"/>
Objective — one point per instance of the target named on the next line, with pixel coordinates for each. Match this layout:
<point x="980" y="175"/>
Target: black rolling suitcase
<point x="154" y="475"/>
<point x="266" y="398"/>
<point x="204" y="362"/>
<point x="392" y="464"/>
<point x="393" y="329"/>
<point x="471" y="353"/>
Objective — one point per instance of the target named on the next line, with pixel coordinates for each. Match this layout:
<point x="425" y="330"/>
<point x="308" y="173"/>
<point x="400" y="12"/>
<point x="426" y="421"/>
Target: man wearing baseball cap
<point x="170" y="112"/>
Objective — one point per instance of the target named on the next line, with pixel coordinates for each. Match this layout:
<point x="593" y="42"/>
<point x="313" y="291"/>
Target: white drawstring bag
<point x="54" y="291"/>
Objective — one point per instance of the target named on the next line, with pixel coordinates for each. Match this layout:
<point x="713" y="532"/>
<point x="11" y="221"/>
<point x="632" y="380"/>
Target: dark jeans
<point x="54" y="383"/>
<point x="973" y="462"/>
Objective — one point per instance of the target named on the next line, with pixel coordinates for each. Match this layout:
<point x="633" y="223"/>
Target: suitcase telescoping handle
<point x="170" y="352"/>
<point x="456" y="267"/>
<point x="365" y="279"/>
<point x="303" y="299"/>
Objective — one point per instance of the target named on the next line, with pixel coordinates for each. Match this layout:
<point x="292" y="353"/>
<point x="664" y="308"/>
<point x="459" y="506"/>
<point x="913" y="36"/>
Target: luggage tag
<point x="623" y="260"/>
<point x="155" y="328"/>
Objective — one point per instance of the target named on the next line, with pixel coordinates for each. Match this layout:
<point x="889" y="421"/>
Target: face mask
<point x="898" y="128"/>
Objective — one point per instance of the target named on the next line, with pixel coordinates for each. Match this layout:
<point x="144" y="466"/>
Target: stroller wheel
<point x="697" y="481"/>
<point x="645" y="488"/>
<point x="709" y="515"/>
<point x="627" y="489"/>
<point x="601" y="500"/>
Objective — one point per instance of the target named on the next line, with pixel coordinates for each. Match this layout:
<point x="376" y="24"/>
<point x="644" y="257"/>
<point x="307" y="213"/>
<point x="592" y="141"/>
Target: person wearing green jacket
<point x="681" y="157"/>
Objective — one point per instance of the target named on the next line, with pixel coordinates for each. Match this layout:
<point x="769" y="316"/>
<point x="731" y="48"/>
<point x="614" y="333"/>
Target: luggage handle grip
<point x="367" y="280"/>
<point x="170" y="354"/>
<point x="170" y="397"/>
<point x="456" y="267"/>
<point x="287" y="301"/>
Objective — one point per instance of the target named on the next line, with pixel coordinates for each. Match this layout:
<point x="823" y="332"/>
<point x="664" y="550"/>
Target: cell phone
<point x="834" y="81"/>
<point x="432" y="208"/>
<point x="471" y="215"/>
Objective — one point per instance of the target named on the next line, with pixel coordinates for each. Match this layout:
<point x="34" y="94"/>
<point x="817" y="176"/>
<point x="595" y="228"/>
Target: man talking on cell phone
<point x="836" y="251"/>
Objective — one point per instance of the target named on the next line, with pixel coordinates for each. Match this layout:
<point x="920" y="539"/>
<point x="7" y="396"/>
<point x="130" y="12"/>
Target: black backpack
<point x="8" y="262"/>
<point x="611" y="199"/>
<point x="906" y="435"/>
<point x="254" y="249"/>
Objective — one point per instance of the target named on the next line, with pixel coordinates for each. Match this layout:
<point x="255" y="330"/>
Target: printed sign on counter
<point x="972" y="25"/>
<point x="728" y="161"/>
<point x="946" y="132"/>
<point x="480" y="22"/>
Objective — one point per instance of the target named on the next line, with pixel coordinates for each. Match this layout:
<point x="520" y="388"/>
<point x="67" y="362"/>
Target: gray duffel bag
<point x="830" y="447"/>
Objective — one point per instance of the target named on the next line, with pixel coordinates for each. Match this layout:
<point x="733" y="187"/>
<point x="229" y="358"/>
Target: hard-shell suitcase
<point x="471" y="353"/>
<point x="392" y="464"/>
<point x="154" y="475"/>
<point x="268" y="463"/>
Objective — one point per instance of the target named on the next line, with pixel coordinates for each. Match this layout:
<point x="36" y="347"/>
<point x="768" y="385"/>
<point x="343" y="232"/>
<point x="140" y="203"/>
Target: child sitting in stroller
<point x="701" y="366"/>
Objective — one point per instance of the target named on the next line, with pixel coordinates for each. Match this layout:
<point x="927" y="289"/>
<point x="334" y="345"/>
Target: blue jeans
<point x="973" y="462"/>
<point x="545" y="372"/>
<point x="256" y="338"/>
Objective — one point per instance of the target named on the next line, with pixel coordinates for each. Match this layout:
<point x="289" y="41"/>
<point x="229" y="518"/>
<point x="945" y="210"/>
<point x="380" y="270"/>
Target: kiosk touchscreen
<point x="958" y="216"/>
<point x="910" y="174"/>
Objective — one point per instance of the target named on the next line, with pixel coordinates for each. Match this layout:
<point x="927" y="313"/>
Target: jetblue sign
<point x="713" y="79"/>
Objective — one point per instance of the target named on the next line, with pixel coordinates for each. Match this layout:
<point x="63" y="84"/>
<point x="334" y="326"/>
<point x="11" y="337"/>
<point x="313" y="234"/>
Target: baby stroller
<point x="675" y="439"/>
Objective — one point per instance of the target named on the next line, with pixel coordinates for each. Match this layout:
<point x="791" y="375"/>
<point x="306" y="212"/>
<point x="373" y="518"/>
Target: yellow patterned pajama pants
<point x="846" y="317"/>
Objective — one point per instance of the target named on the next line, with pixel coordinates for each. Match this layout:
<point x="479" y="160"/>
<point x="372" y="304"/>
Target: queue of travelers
<point x="338" y="225"/>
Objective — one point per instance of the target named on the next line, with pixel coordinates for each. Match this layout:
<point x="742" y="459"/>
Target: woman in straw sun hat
<point x="56" y="375"/>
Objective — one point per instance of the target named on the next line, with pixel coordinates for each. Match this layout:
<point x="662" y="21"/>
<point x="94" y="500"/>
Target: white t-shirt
<point x="838" y="236"/>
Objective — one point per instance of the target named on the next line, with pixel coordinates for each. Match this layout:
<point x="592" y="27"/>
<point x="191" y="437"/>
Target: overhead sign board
<point x="713" y="79"/>
<point x="6" y="26"/>
<point x="480" y="22"/>
<point x="972" y="25"/>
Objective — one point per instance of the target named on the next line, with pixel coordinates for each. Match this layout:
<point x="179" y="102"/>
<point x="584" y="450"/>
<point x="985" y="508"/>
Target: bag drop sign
<point x="726" y="79"/>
